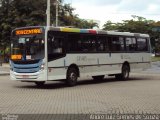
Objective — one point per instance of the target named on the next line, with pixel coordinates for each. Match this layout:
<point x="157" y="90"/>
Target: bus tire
<point x="40" y="84"/>
<point x="101" y="77"/>
<point x="125" y="73"/>
<point x="72" y="76"/>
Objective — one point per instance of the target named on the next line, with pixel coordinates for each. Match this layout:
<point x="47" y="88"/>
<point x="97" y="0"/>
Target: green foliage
<point x="136" y="25"/>
<point x="154" y="59"/>
<point x="112" y="26"/>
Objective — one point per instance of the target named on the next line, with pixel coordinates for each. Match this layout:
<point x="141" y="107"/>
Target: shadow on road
<point x="61" y="85"/>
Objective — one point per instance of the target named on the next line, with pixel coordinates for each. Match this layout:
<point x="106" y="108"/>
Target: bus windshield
<point x="29" y="47"/>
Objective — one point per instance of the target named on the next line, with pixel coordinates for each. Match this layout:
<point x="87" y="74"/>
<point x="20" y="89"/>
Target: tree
<point x="111" y="26"/>
<point x="136" y="25"/>
<point x="5" y="27"/>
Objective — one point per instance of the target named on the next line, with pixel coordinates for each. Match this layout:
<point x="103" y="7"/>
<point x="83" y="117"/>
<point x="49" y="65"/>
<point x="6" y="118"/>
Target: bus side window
<point x="57" y="45"/>
<point x="74" y="42"/>
<point x="130" y="44"/>
<point x="88" y="43"/>
<point x="115" y="44"/>
<point x="102" y="44"/>
<point x="142" y="44"/>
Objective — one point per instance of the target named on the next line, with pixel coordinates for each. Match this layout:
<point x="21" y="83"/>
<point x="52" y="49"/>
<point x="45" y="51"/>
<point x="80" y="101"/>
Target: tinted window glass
<point x="56" y="45"/>
<point x="81" y="43"/>
<point x="74" y="43"/>
<point x="142" y="44"/>
<point x="116" y="43"/>
<point x="88" y="44"/>
<point x="102" y="44"/>
<point x="130" y="44"/>
<point x="121" y="42"/>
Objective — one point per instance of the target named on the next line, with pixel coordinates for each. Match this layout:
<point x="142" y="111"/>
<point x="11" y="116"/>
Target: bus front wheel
<point x="125" y="73"/>
<point x="72" y="76"/>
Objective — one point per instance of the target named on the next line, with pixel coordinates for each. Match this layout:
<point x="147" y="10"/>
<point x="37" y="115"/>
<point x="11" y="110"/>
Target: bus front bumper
<point x="28" y="77"/>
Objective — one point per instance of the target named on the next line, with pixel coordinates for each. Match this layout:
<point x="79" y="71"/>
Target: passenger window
<point x="81" y="43"/>
<point x="74" y="42"/>
<point x="88" y="43"/>
<point x="130" y="44"/>
<point x="116" y="43"/>
<point x="102" y="44"/>
<point x="142" y="44"/>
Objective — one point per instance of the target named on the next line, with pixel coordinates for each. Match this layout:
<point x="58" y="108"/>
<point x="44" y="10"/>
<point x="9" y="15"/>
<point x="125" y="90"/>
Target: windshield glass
<point x="29" y="47"/>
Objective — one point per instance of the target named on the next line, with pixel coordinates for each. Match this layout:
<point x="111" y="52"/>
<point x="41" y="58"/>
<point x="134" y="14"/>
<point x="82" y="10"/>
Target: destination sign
<point x="16" y="57"/>
<point x="28" y="31"/>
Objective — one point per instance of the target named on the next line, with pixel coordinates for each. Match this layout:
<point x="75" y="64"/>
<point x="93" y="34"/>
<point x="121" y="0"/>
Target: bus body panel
<point x="97" y="64"/>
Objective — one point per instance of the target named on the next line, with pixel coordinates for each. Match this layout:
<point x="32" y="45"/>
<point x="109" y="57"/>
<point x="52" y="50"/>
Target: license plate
<point x="25" y="76"/>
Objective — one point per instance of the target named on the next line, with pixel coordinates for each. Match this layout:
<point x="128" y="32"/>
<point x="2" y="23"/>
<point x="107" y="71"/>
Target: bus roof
<point x="77" y="30"/>
<point x="92" y="31"/>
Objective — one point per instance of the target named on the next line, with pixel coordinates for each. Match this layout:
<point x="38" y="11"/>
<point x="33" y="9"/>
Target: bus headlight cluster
<point x="42" y="67"/>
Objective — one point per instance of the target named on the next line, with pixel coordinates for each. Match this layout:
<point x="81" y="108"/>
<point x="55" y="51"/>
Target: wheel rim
<point x="125" y="72"/>
<point x="73" y="76"/>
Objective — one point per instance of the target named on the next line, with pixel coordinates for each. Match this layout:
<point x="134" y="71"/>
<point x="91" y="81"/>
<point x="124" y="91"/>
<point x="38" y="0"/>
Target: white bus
<point x="59" y="53"/>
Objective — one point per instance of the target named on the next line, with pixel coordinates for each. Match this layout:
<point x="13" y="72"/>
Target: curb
<point x="146" y="74"/>
<point x="4" y="74"/>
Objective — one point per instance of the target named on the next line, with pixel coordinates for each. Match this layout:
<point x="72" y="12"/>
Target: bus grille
<point x="26" y="67"/>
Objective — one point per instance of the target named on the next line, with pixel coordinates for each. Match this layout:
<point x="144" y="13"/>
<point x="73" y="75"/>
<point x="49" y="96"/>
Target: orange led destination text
<point x="27" y="32"/>
<point x="16" y="57"/>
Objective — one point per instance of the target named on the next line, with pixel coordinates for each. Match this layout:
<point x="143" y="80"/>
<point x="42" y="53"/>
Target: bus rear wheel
<point x="40" y="84"/>
<point x="72" y="76"/>
<point x="125" y="73"/>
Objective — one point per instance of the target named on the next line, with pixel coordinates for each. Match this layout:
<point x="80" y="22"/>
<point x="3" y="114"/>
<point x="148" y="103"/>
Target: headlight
<point x="42" y="67"/>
